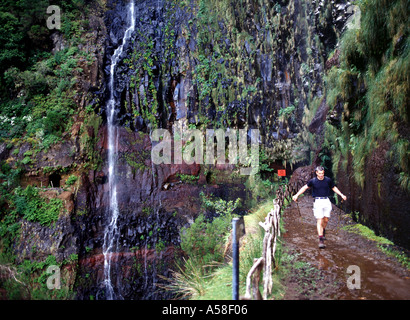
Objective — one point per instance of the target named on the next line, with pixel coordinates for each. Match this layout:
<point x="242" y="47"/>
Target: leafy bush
<point x="204" y="241"/>
<point x="10" y="40"/>
<point x="29" y="204"/>
<point x="71" y="180"/>
<point x="36" y="86"/>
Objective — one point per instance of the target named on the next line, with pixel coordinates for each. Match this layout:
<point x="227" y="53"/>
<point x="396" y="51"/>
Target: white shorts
<point x="322" y="208"/>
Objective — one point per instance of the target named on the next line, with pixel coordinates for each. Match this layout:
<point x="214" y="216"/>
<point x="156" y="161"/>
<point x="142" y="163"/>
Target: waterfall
<point x="111" y="233"/>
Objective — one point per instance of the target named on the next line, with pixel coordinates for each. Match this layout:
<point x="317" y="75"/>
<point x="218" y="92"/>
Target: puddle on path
<point x="381" y="278"/>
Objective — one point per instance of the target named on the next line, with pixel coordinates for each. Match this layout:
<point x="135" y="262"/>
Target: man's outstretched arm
<point x="335" y="189"/>
<point x="303" y="189"/>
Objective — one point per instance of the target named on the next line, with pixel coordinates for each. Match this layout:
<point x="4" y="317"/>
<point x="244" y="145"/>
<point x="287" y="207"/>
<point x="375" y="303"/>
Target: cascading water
<point x="111" y="233"/>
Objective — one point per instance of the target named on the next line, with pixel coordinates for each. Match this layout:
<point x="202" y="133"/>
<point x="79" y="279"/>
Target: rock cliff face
<point x="224" y="63"/>
<point x="381" y="202"/>
<point x="154" y="205"/>
<point x="191" y="64"/>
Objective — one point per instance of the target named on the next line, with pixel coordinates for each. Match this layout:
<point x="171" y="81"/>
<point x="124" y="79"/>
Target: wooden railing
<point x="272" y="232"/>
<point x="267" y="261"/>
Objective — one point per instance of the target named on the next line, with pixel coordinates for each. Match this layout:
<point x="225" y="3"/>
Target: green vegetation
<point x="28" y="280"/>
<point x="204" y="244"/>
<point x="367" y="233"/>
<point x="27" y="203"/>
<point x="188" y="178"/>
<point x="219" y="284"/>
<point x="39" y="103"/>
<point x="373" y="87"/>
<point x="89" y="139"/>
<point x="202" y="240"/>
<point x="71" y="180"/>
<point x="214" y="76"/>
<point x="144" y="60"/>
<point x="37" y="87"/>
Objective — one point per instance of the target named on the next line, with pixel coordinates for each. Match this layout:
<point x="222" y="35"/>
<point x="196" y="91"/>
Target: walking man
<point x="322" y="206"/>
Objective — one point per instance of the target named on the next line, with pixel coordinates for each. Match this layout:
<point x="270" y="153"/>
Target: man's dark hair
<point x="319" y="168"/>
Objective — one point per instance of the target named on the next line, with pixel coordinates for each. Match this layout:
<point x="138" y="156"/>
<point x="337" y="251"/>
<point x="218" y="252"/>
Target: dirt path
<point x="321" y="274"/>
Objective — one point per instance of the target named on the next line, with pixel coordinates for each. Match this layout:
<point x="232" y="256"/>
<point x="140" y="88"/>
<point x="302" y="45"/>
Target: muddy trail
<point x="323" y="274"/>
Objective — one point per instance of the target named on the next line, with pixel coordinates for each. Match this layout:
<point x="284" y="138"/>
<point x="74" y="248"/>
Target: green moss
<point x="88" y="142"/>
<point x="367" y="233"/>
<point x="188" y="178"/>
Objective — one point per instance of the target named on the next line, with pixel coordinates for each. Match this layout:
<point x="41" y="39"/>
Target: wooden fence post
<point x="252" y="285"/>
<point x="272" y="231"/>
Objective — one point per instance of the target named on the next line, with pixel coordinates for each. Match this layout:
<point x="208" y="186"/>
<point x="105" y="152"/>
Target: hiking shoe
<point x="321" y="243"/>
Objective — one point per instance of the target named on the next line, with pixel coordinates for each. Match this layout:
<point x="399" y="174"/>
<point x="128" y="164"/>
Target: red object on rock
<point x="282" y="173"/>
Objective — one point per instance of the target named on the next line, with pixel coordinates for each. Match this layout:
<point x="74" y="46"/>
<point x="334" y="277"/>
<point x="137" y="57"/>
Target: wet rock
<point x="318" y="121"/>
<point x="37" y="242"/>
<point x="3" y="151"/>
<point x="58" y="42"/>
<point x="58" y="155"/>
<point x="382" y="203"/>
<point x="334" y="60"/>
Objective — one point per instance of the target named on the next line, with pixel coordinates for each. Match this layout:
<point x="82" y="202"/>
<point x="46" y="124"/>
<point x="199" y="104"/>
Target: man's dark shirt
<point x="321" y="188"/>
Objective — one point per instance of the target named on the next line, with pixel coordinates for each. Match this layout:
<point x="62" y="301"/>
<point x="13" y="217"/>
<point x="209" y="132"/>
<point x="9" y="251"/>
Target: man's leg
<point x="321" y="224"/>
<point x="320" y="232"/>
<point x="325" y="220"/>
<point x="327" y="209"/>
